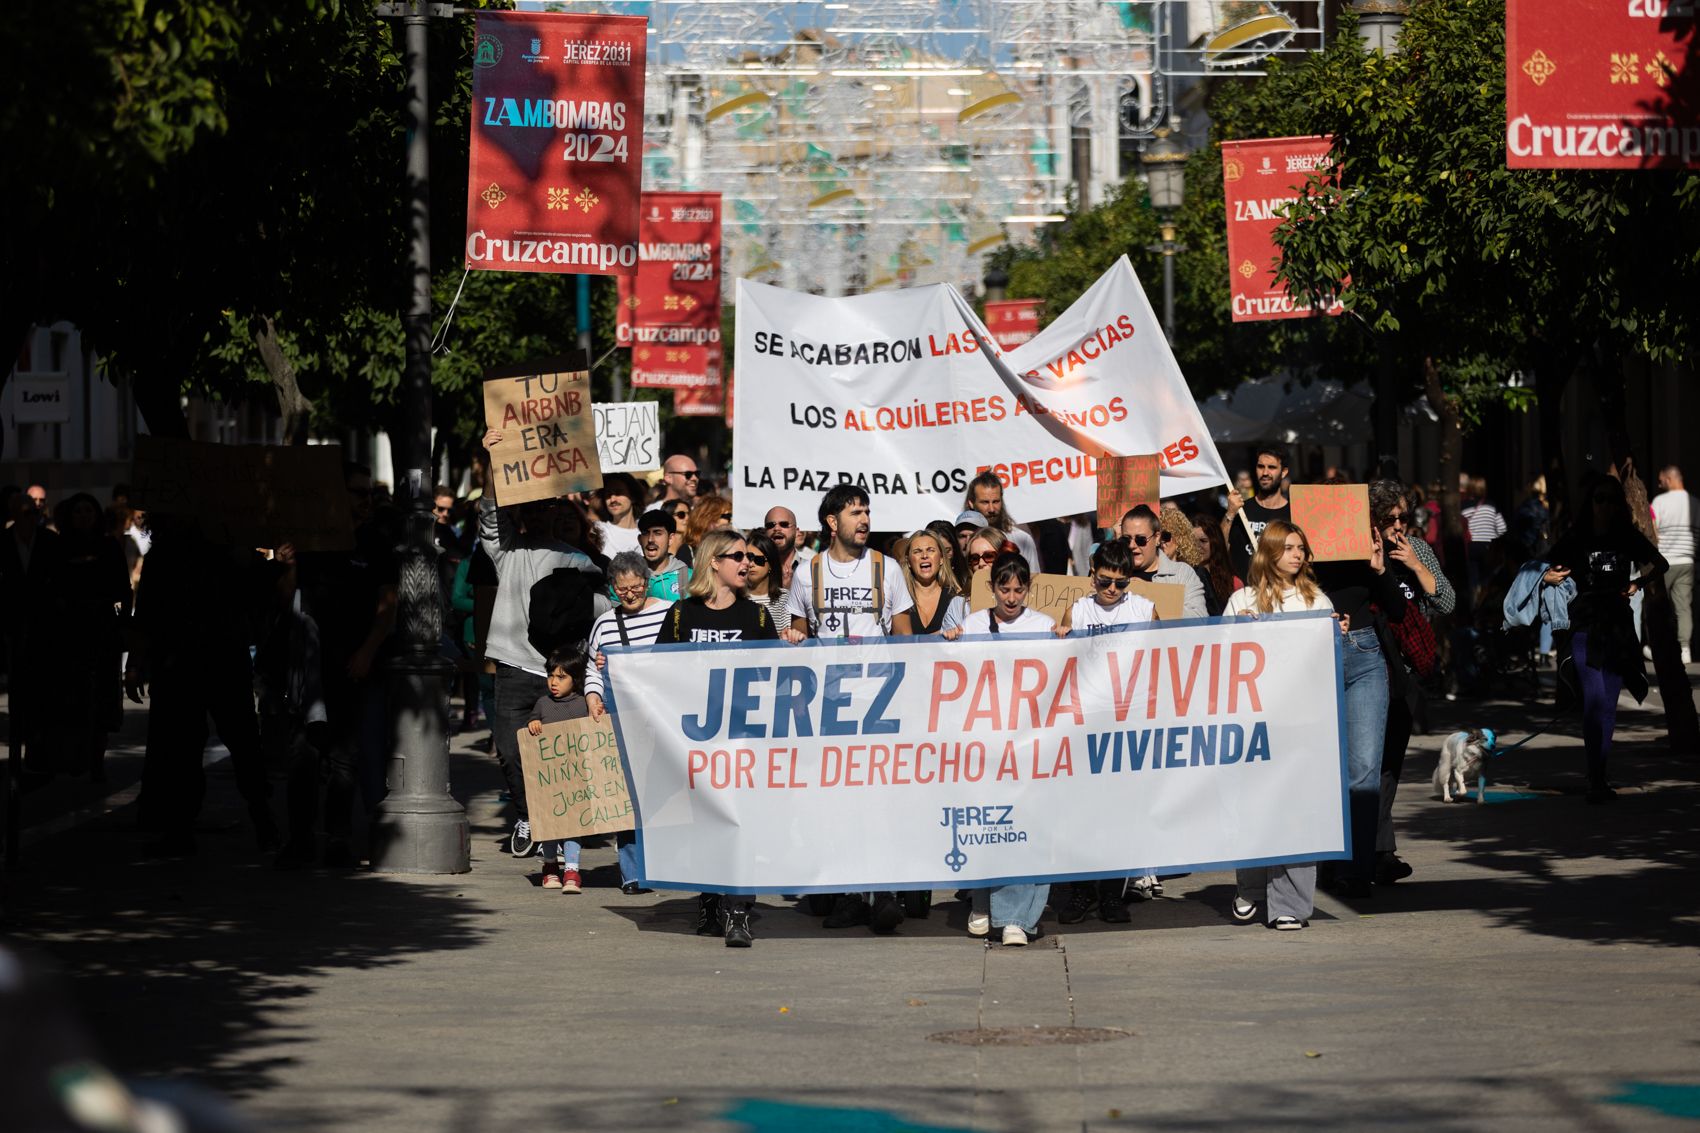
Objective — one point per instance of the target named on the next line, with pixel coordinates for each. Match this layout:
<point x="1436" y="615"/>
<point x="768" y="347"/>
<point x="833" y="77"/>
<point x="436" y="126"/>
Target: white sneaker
<point x="979" y="924"/>
<point x="1687" y="656"/>
<point x="1144" y="888"/>
<point x="1013" y="937"/>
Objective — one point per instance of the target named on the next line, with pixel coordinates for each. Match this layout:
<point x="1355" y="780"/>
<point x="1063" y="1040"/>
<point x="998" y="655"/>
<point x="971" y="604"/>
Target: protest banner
<point x="575" y="785"/>
<point x="921" y="764"/>
<point x="669" y="312"/>
<point x="1335" y="518"/>
<point x="628" y="435"/>
<point x="557" y="143"/>
<point x="1053" y="594"/>
<point x="1600" y="85"/>
<point x="247" y="495"/>
<point x="548" y="445"/>
<point x="903" y="394"/>
<point x="1125" y="482"/>
<point x="1013" y="322"/>
<point x="1259" y="179"/>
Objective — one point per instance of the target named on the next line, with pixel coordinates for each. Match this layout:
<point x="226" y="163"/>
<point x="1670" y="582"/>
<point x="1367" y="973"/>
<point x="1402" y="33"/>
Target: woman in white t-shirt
<point x="1014" y="909"/>
<point x="619" y="500"/>
<point x="1279" y="582"/>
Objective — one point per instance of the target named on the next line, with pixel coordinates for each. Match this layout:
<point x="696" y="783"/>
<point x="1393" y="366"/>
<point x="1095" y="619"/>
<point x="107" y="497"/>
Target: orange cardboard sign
<point x="1335" y="518"/>
<point x="1125" y="482"/>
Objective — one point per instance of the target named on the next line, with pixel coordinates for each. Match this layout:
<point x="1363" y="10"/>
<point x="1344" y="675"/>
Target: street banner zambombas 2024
<point x="557" y="143"/>
<point x="669" y="312"/>
<point x="1259" y="179"/>
<point x="925" y="764"/>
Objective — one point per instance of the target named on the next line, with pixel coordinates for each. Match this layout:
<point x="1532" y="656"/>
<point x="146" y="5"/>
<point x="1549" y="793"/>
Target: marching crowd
<point x="536" y="594"/>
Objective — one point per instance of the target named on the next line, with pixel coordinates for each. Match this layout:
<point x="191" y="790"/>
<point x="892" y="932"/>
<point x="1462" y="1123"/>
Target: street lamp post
<point x="419" y="827"/>
<point x="1165" y="164"/>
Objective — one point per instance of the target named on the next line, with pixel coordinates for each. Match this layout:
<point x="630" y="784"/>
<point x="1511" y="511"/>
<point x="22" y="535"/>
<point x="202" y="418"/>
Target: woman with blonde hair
<point x="1280" y="581"/>
<point x="711" y="514"/>
<point x="939" y="604"/>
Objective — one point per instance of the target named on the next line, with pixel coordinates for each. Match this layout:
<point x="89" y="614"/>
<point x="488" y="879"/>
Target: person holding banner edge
<point x="1281" y="581"/>
<point x="717" y="610"/>
<point x="1011" y="910"/>
<point x="849" y="590"/>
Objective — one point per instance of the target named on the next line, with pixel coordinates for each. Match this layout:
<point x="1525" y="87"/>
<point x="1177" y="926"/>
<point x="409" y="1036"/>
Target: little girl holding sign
<point x="1014" y="909"/>
<point x="563" y="701"/>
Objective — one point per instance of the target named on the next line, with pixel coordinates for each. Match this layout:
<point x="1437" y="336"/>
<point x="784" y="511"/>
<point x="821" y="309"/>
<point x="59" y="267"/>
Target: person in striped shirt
<point x="1484" y="524"/>
<point x="635" y="621"/>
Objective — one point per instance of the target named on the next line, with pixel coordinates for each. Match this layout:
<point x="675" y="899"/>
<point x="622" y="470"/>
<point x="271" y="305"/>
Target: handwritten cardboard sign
<point x="247" y="495"/>
<point x="628" y="435"/>
<point x="1125" y="482"/>
<point x="548" y="445"/>
<point x="575" y="785"/>
<point x="1335" y="518"/>
<point x="1053" y="594"/>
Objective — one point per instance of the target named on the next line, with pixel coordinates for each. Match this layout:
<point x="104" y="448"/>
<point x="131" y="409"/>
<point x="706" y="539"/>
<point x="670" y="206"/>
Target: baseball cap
<point x="655" y="517"/>
<point x="970" y="518"/>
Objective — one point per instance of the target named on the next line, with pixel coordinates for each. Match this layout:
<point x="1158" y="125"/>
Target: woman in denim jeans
<point x="1353" y="587"/>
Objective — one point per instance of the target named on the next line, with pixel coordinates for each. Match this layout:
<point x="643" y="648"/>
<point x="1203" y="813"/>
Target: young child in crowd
<point x="564" y="701"/>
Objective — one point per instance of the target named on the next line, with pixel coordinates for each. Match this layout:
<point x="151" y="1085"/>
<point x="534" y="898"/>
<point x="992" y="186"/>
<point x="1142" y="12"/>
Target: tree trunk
<point x="1659" y="630"/>
<point x="296" y="410"/>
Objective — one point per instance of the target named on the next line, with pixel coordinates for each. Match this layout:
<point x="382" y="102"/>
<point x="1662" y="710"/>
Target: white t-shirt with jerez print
<point x="847" y="597"/>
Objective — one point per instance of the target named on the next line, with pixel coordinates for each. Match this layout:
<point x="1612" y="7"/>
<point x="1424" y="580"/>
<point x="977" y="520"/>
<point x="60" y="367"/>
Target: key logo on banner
<point x="557" y="143"/>
<point x="1259" y="179"/>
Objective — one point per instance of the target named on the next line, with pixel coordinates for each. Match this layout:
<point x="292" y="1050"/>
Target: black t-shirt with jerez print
<point x="1240" y="550"/>
<point x="693" y="621"/>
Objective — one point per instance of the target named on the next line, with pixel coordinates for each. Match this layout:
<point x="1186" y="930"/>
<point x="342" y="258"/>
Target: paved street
<point x="1538" y="972"/>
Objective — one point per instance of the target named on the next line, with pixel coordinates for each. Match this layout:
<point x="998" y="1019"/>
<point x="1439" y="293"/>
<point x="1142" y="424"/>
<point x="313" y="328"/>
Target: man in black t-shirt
<point x="1270" y="503"/>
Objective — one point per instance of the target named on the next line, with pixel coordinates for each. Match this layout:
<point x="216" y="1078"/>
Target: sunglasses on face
<point x="754" y="559"/>
<point x="1396" y="517"/>
<point x="779" y="523"/>
<point x="693" y="474"/>
<point x="986" y="557"/>
<point x="1110" y="583"/>
<point x="1139" y="540"/>
<point x="737" y="556"/>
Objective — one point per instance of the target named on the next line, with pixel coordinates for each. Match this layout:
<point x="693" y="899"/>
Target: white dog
<point x="1461" y="759"/>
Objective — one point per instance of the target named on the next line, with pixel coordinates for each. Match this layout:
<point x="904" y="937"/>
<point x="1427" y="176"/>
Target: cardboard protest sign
<point x="1335" y="518"/>
<point x="548" y="445"/>
<point x="1175" y="748"/>
<point x="1053" y="594"/>
<point x="1124" y="482"/>
<point x="628" y="436"/>
<point x="575" y="785"/>
<point x="247" y="495"/>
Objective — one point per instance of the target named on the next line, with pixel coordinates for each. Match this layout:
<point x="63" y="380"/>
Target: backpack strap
<point x="879" y="584"/>
<point x="620" y="623"/>
<point x="820" y="596"/>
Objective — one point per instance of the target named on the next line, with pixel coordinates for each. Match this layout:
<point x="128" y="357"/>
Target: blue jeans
<point x="567" y="850"/>
<point x="1366" y="734"/>
<point x="1018" y="905"/>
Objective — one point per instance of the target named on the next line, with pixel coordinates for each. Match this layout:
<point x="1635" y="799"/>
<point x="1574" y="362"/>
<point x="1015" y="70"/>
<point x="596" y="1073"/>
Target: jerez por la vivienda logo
<point x="977" y="826"/>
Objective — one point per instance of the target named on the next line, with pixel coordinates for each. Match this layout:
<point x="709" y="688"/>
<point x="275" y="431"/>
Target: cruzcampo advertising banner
<point x="905" y="394"/>
<point x="1601" y="84"/>
<point x="557" y="143"/>
<point x="1259" y="179"/>
<point x="927" y="764"/>
<point x="669" y="312"/>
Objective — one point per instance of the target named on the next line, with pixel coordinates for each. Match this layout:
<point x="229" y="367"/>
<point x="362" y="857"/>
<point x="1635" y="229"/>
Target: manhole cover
<point x="1030" y="1036"/>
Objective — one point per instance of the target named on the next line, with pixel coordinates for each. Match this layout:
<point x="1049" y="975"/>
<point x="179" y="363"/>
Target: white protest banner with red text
<point x="669" y="312"/>
<point x="903" y="393"/>
<point x="926" y="764"/>
<point x="1259" y="179"/>
<point x="1013" y="322"/>
<point x="1600" y="84"/>
<point x="557" y="143"/>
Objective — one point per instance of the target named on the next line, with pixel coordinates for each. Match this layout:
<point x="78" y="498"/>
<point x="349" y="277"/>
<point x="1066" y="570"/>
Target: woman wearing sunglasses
<point x="716" y="610"/>
<point x="1111" y="604"/>
<point x="766" y="588"/>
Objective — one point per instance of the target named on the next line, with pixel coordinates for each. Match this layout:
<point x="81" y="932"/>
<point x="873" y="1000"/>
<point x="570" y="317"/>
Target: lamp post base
<point x="419" y="827"/>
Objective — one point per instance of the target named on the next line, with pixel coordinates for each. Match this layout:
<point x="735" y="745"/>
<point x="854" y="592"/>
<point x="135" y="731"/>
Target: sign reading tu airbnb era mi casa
<point x="1599" y="84"/>
<point x="557" y="143"/>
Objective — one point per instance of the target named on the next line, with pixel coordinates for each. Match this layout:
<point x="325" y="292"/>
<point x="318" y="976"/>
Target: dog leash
<point x="1496" y="751"/>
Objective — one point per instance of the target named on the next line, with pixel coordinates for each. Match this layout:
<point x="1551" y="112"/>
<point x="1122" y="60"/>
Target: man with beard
<point x="985" y="495"/>
<point x="1270" y="504"/>
<point x="780" y="524"/>
<point x="849" y="591"/>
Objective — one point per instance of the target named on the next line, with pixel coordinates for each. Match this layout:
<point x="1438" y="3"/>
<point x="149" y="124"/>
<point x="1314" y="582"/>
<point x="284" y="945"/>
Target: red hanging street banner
<point x="557" y="143"/>
<point x="669" y="312"/>
<point x="1600" y="84"/>
<point x="1259" y="179"/>
<point x="1012" y="321"/>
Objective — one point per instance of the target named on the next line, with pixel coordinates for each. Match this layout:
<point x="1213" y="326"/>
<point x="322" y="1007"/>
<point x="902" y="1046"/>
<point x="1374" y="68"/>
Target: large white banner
<point x="916" y="763"/>
<point x="906" y="394"/>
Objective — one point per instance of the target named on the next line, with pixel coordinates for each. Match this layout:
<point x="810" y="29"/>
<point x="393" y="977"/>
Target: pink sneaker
<point x="569" y="881"/>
